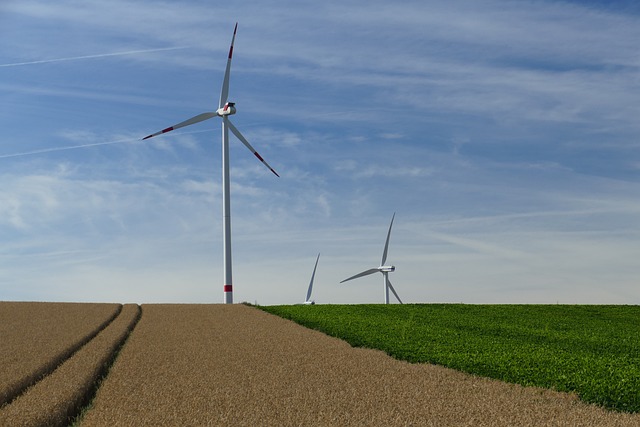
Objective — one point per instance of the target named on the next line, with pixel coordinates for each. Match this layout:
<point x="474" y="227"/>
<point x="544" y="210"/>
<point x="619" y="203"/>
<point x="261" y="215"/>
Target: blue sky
<point x="504" y="134"/>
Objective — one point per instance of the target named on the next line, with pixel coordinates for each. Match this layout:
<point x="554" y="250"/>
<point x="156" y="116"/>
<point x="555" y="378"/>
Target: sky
<point x="504" y="135"/>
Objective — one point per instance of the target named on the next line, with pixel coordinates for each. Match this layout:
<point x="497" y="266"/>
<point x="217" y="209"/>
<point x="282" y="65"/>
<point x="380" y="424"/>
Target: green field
<point x="591" y="350"/>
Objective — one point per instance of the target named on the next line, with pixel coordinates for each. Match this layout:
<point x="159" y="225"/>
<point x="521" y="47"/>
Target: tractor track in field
<point x="63" y="393"/>
<point x="52" y="357"/>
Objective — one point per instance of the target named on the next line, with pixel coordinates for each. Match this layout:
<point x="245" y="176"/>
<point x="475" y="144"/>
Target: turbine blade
<point x="224" y="93"/>
<point x="364" y="273"/>
<point x="386" y="245"/>
<point x="311" y="283"/>
<point x="192" y="120"/>
<point x="242" y="139"/>
<point x="392" y="290"/>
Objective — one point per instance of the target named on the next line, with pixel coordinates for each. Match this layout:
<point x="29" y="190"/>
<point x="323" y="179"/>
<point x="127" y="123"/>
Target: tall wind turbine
<point x="225" y="109"/>
<point x="384" y="269"/>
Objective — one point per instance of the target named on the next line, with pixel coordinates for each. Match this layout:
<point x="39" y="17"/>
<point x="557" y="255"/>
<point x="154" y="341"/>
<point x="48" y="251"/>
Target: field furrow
<point x="58" y="398"/>
<point x="37" y="337"/>
<point x="197" y="365"/>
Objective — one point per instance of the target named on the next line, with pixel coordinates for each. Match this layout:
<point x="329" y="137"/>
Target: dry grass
<point x="37" y="337"/>
<point x="58" y="398"/>
<point x="217" y="365"/>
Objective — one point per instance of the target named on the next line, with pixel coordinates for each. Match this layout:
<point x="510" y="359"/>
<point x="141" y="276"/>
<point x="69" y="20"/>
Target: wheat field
<point x="219" y="365"/>
<point x="36" y="337"/>
<point x="58" y="397"/>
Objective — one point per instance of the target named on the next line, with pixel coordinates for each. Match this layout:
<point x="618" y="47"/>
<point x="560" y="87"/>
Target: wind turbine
<point x="384" y="269"/>
<point x="225" y="109"/>
<point x="308" y="301"/>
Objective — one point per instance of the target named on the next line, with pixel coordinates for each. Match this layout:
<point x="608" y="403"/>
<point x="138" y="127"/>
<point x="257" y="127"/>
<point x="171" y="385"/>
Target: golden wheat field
<point x="221" y="365"/>
<point x="36" y="337"/>
<point x="57" y="398"/>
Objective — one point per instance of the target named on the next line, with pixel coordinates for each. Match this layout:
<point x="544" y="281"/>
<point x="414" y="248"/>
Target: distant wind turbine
<point x="384" y="269"/>
<point x="225" y="109"/>
<point x="308" y="301"/>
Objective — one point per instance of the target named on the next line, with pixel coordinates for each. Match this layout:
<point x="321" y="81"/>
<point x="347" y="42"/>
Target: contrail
<point x="94" y="144"/>
<point x="68" y="147"/>
<point x="102" y="55"/>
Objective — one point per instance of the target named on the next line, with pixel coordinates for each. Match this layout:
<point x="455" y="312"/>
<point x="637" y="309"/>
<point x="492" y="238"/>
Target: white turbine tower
<point x="225" y="109"/>
<point x="384" y="269"/>
<point x="308" y="301"/>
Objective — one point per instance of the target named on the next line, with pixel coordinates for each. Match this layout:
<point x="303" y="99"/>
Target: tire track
<point x="15" y="390"/>
<point x="60" y="396"/>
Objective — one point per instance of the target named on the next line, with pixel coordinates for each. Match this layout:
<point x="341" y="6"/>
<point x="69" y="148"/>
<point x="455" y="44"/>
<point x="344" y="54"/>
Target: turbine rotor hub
<point x="228" y="109"/>
<point x="387" y="268"/>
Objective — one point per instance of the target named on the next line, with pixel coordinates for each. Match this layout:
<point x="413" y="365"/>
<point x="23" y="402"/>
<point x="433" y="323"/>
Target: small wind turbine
<point x="308" y="301"/>
<point x="225" y="109"/>
<point x="384" y="269"/>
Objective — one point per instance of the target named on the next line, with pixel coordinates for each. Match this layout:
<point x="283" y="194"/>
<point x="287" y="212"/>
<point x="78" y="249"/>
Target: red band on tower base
<point x="228" y="288"/>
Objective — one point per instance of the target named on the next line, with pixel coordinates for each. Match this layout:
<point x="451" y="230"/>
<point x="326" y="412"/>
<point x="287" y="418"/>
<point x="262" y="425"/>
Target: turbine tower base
<point x="228" y="294"/>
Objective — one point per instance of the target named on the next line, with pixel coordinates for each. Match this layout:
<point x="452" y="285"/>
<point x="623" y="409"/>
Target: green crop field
<point x="591" y="350"/>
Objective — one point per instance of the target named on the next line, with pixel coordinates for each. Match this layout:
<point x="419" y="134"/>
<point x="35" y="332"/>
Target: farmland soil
<point x="198" y="365"/>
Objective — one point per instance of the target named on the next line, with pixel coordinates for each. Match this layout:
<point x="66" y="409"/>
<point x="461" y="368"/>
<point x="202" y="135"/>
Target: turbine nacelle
<point x="228" y="109"/>
<point x="387" y="268"/>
